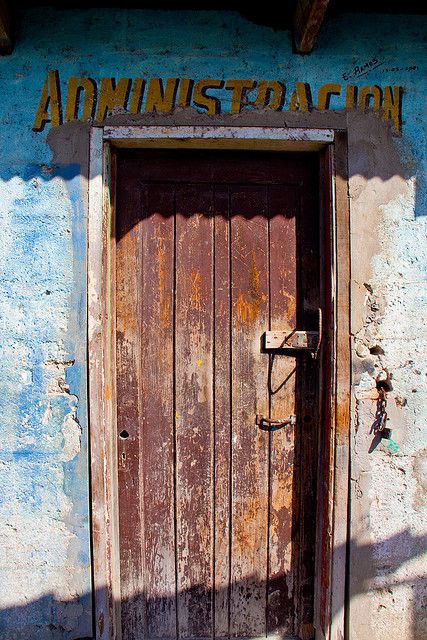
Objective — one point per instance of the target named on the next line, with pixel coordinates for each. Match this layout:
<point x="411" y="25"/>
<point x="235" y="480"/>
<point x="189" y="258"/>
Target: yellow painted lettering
<point x="392" y="106"/>
<point x="161" y="99"/>
<point x="137" y="95"/>
<point x="50" y="107"/>
<point x="325" y="93"/>
<point x="42" y="115"/>
<point x="239" y="89"/>
<point x="75" y="88"/>
<point x="204" y="101"/>
<point x="185" y="91"/>
<point x="270" y="94"/>
<point x="350" y="97"/>
<point x="301" y="97"/>
<point x="368" y="94"/>
<point x="112" y="96"/>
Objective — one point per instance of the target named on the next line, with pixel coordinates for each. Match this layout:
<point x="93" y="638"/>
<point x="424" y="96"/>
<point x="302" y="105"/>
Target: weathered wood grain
<point x="222" y="406"/>
<point x="128" y="353"/>
<point x="308" y="20"/>
<point x="283" y="213"/>
<point x="194" y="408"/>
<point x="216" y="514"/>
<point x="307" y="397"/>
<point x="250" y="293"/>
<point x="156" y="283"/>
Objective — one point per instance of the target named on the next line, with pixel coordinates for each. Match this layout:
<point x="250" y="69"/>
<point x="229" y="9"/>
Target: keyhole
<point x="124" y="434"/>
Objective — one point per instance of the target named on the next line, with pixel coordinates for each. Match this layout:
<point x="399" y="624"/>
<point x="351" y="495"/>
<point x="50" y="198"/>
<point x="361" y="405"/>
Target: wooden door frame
<point x="332" y="518"/>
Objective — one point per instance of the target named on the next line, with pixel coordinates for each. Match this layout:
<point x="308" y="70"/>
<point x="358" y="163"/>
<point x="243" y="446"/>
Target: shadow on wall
<point x="374" y="566"/>
<point x="50" y="619"/>
<point x="374" y="153"/>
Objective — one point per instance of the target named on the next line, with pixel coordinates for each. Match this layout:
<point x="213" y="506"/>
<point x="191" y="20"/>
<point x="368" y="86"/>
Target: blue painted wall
<point x="44" y="515"/>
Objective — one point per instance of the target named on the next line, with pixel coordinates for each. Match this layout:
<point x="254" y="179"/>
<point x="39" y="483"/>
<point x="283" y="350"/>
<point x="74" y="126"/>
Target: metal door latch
<point x="294" y="340"/>
<point x="271" y="425"/>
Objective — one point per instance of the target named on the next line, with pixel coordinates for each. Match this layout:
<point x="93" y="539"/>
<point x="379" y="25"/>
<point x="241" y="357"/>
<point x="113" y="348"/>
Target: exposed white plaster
<point x="72" y="432"/>
<point x="389" y="521"/>
<point x="47" y="414"/>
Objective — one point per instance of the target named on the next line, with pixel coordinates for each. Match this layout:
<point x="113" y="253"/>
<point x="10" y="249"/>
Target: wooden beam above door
<point x="308" y="19"/>
<point x="6" y="38"/>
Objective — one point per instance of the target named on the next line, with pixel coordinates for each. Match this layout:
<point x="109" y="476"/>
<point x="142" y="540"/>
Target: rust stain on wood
<point x="343" y="416"/>
<point x="126" y="295"/>
<point x="254" y="279"/>
<point x="248" y="305"/>
<point x="164" y="297"/>
<point x="306" y="631"/>
<point x="281" y="498"/>
<point x="196" y="294"/>
<point x="245" y="528"/>
<point x="291" y="306"/>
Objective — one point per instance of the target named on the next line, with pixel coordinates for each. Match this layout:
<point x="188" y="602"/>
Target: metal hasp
<point x="306" y="340"/>
<point x="295" y="340"/>
<point x="268" y="424"/>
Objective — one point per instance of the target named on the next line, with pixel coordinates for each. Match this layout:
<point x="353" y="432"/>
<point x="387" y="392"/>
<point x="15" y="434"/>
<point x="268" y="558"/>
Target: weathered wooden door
<point x="216" y="515"/>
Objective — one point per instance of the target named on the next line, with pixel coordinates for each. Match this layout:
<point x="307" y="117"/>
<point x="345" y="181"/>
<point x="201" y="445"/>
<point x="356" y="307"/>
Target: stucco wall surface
<point x="44" y="495"/>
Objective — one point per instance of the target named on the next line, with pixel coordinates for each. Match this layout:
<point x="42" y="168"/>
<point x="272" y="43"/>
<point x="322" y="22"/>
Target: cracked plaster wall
<point x="388" y="512"/>
<point x="44" y="516"/>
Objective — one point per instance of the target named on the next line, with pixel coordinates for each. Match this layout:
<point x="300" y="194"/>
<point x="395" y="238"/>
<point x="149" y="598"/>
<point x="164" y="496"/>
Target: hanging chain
<point x="379" y="426"/>
<point x="381" y="415"/>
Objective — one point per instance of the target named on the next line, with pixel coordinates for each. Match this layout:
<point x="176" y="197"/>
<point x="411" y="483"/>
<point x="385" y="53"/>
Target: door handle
<point x="267" y="424"/>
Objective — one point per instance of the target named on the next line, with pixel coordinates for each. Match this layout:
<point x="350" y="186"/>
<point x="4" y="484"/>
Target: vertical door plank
<point x="128" y="350"/>
<point x="222" y="386"/>
<point x="157" y="434"/>
<point x="194" y="408"/>
<point x="283" y="306"/>
<point x="307" y="391"/>
<point x="249" y="237"/>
